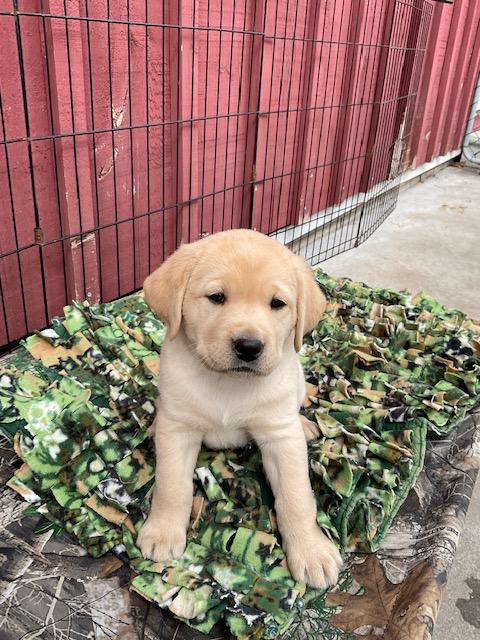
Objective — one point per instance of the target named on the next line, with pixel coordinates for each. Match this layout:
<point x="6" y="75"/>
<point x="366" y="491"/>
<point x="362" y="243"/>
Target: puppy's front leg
<point x="163" y="535"/>
<point x="311" y="557"/>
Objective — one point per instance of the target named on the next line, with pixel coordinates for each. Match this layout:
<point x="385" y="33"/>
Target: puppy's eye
<point x="276" y="303"/>
<point x="217" y="298"/>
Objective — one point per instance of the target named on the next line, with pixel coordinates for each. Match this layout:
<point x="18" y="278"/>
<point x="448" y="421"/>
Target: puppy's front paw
<point x="160" y="539"/>
<point x="313" y="559"/>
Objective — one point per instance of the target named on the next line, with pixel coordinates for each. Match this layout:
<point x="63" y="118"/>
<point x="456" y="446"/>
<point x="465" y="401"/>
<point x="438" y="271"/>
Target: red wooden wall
<point x="449" y="76"/>
<point x="123" y="134"/>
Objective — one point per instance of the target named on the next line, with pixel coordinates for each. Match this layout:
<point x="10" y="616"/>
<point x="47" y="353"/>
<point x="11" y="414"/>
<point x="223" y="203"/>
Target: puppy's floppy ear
<point x="165" y="288"/>
<point x="311" y="302"/>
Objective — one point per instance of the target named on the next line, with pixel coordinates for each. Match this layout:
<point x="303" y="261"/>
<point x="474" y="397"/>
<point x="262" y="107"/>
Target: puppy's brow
<point x="281" y="291"/>
<point x="213" y="287"/>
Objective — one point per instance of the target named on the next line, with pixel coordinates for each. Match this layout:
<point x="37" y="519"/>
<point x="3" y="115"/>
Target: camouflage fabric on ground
<point x="383" y="370"/>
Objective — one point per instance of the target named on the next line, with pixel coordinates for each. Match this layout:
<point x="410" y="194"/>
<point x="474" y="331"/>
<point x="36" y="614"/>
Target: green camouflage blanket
<point x="383" y="369"/>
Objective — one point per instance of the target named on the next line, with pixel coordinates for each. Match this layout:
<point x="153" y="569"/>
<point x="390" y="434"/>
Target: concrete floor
<point x="432" y="243"/>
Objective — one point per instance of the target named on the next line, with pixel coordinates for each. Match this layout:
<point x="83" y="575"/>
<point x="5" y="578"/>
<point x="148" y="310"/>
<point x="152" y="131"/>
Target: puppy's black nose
<point x="247" y="349"/>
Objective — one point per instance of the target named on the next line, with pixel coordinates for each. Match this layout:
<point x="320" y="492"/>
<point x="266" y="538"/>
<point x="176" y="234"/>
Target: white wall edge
<point x="411" y="174"/>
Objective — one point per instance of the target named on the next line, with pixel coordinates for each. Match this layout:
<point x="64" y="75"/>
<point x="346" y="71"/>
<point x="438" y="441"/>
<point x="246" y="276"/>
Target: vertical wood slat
<point x="184" y="78"/>
<point x="429" y="89"/>
<point x="161" y="148"/>
<point x="337" y="186"/>
<point x="300" y="162"/>
<point x="464" y="80"/>
<point x="449" y="75"/>
<point x="366" y="178"/>
<point x="67" y="82"/>
<point x="43" y="168"/>
<point x="425" y="84"/>
<point x="469" y="86"/>
<point x="118" y="103"/>
<point x="265" y="78"/>
<point x="330" y="105"/>
<point x="355" y="140"/>
<point x="404" y="107"/>
<point x="251" y="161"/>
<point x="18" y="272"/>
<point x="455" y="43"/>
<point x="139" y="139"/>
<point x="412" y="67"/>
<point x="100" y="97"/>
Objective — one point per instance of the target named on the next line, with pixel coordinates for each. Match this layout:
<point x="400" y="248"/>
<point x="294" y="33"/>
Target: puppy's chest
<point x="228" y="409"/>
<point x="222" y="407"/>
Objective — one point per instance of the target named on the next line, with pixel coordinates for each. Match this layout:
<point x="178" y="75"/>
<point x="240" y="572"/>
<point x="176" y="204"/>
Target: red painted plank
<point x="254" y="46"/>
<point x="405" y="91"/>
<point x="413" y="106"/>
<point x="466" y="73"/>
<point x="234" y="88"/>
<point x="342" y="152"/>
<point x="437" y="51"/>
<point x="328" y="107"/>
<point x="228" y="84"/>
<point x="118" y="104"/>
<point x="221" y="17"/>
<point x="269" y="78"/>
<point x="425" y="87"/>
<point x="136" y="116"/>
<point x="22" y="277"/>
<point x="69" y="107"/>
<point x="160" y="151"/>
<point x="472" y="75"/>
<point x="14" y="325"/>
<point x="380" y="96"/>
<point x="184" y="70"/>
<point x="288" y="93"/>
<point x="248" y="88"/>
<point x="311" y="60"/>
<point x="281" y="140"/>
<point x="44" y="165"/>
<point x="455" y="44"/>
<point x="297" y="86"/>
<point x="357" y="113"/>
<point x="99" y="113"/>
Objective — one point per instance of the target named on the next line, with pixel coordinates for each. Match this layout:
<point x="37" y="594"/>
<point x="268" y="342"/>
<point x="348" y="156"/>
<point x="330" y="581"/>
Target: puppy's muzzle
<point x="248" y="349"/>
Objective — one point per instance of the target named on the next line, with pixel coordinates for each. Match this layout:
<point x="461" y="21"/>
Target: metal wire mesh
<point x="128" y="128"/>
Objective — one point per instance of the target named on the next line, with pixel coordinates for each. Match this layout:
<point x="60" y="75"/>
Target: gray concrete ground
<point x="432" y="243"/>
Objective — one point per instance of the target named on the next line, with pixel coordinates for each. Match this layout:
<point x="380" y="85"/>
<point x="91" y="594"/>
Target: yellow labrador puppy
<point x="237" y="305"/>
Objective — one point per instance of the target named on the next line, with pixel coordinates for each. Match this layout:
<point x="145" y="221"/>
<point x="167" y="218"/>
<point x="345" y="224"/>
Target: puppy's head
<point x="240" y="298"/>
